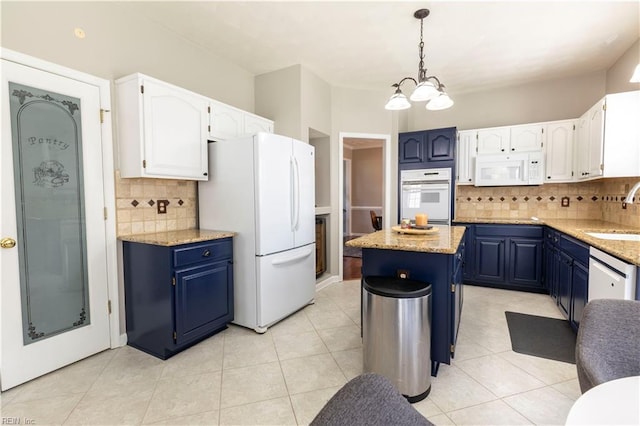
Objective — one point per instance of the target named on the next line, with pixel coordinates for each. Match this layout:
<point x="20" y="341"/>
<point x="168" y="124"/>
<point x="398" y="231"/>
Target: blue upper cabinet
<point x="441" y="144"/>
<point x="427" y="149"/>
<point x="411" y="147"/>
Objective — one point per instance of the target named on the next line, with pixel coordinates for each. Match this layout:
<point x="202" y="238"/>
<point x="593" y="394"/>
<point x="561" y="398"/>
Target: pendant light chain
<point x="422" y="73"/>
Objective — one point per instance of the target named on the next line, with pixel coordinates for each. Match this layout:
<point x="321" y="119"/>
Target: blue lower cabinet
<point x="490" y="259"/>
<point x="565" y="274"/>
<point x="579" y="289"/>
<point x="505" y="256"/>
<point x="175" y="296"/>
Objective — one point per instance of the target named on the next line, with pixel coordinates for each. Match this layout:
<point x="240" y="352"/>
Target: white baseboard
<point x="327" y="281"/>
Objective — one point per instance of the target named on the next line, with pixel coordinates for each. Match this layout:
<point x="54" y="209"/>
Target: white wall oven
<point x="426" y="191"/>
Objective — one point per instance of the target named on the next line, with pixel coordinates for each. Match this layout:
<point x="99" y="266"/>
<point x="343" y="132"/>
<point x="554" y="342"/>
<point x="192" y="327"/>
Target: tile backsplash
<point x="137" y="199"/>
<point x="600" y="199"/>
<point x="137" y="205"/>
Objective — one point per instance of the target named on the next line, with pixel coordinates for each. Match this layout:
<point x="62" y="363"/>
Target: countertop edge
<point x="578" y="231"/>
<point x="176" y="238"/>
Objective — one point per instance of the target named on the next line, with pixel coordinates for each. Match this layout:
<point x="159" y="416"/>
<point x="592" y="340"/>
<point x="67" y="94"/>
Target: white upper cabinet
<point x="503" y="140"/>
<point x="162" y="129"/>
<point x="494" y="140"/>
<point x="621" y="156"/>
<point x="608" y="142"/>
<point x="526" y="138"/>
<point x="465" y="157"/>
<point x="228" y="122"/>
<point x="254" y="124"/>
<point x="560" y="137"/>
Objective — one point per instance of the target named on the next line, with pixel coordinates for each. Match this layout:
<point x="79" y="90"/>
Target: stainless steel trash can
<point x="396" y="333"/>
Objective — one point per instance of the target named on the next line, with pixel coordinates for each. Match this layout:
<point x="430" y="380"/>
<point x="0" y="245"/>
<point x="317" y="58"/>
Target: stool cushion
<point x="608" y="343"/>
<point x="369" y="399"/>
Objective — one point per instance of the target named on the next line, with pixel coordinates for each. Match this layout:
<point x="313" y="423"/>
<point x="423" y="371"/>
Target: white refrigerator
<point x="263" y="188"/>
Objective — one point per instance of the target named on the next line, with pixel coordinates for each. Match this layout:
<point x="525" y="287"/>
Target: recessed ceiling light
<point x="79" y="32"/>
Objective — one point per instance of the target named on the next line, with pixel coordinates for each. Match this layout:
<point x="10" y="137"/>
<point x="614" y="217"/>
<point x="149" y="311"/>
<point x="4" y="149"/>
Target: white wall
<point x="278" y="97"/>
<point x="542" y="101"/>
<point x="619" y="74"/>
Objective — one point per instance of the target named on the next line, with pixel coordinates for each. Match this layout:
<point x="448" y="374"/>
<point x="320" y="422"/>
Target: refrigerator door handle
<point x="297" y="193"/>
<point x="292" y="187"/>
<point x="285" y="260"/>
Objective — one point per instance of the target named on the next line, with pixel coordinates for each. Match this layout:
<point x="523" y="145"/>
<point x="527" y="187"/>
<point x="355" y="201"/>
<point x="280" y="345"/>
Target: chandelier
<point x="427" y="88"/>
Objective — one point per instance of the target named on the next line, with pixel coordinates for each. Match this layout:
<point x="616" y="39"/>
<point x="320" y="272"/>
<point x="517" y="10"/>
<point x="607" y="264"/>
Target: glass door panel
<point x="48" y="173"/>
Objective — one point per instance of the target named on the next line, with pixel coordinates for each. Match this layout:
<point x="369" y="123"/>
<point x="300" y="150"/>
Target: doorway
<point x="365" y="178"/>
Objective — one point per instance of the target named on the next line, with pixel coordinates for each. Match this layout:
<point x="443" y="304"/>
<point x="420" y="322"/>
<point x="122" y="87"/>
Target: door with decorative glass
<point x="53" y="259"/>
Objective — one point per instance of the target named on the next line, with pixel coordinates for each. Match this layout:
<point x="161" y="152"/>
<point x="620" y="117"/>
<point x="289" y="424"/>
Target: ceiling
<point x="469" y="46"/>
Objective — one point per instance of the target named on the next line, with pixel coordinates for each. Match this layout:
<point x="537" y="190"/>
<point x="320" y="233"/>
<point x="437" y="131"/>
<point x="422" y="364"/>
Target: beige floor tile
<point x="66" y="381"/>
<point x="355" y="314"/>
<point x="9" y="395"/>
<point x="427" y="408"/>
<point x="205" y="419"/>
<point x="466" y="350"/>
<point x="183" y="396"/>
<point x="341" y="338"/>
<point x="105" y="389"/>
<point x="202" y="358"/>
<point x="312" y="373"/>
<point x="489" y="413"/>
<point x="256" y="383"/>
<point x="329" y="319"/>
<point x="289" y="346"/>
<point x="130" y="365"/>
<point x="350" y="362"/>
<point x="542" y="406"/>
<point x="46" y="411"/>
<point x="119" y="410"/>
<point x="570" y="388"/>
<point x="441" y="420"/>
<point x="306" y="406"/>
<point x="246" y="350"/>
<point x="295" y="324"/>
<point x="547" y="370"/>
<point x="499" y="375"/>
<point x="453" y="389"/>
<point x="273" y="412"/>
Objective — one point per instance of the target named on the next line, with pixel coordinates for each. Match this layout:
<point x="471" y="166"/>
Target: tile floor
<point x="286" y="375"/>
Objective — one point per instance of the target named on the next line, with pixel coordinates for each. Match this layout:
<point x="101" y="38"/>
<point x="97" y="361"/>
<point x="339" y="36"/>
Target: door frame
<point x="386" y="172"/>
<point x="346" y="164"/>
<point x="116" y="339"/>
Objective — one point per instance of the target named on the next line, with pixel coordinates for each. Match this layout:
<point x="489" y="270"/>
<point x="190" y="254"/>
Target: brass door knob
<point x="7" y="243"/>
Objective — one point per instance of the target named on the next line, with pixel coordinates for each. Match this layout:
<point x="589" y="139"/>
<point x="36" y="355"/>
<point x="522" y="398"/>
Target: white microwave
<point x="509" y="169"/>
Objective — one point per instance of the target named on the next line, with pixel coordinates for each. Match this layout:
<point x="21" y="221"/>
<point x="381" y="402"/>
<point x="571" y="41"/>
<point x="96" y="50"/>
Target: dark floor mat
<point x="543" y="337"/>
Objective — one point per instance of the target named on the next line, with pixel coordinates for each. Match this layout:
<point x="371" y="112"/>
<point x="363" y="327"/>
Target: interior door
<point x="274" y="168"/>
<point x="53" y="259"/>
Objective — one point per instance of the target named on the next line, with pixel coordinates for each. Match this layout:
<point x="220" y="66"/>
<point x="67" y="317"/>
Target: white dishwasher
<point x="610" y="277"/>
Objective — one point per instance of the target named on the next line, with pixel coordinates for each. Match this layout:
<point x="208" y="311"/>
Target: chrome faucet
<point x="629" y="198"/>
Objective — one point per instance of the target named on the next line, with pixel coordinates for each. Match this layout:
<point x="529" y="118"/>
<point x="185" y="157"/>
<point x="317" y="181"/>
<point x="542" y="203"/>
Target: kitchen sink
<point x="614" y="236"/>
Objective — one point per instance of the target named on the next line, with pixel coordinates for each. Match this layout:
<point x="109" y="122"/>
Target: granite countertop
<point x="628" y="251"/>
<point x="446" y="241"/>
<point x="175" y="238"/>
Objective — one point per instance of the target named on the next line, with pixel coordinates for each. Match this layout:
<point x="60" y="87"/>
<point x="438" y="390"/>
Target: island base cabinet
<point x="176" y="296"/>
<point x="439" y="270"/>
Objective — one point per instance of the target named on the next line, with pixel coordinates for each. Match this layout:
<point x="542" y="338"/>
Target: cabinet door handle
<point x="206" y="253"/>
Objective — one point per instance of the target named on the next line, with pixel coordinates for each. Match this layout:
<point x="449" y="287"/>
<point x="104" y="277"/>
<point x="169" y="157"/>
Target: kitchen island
<point x="436" y="259"/>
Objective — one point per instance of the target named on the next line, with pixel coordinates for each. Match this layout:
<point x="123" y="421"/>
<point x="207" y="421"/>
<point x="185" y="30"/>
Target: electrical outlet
<point x="564" y="201"/>
<point x="402" y="273"/>
<point x="162" y="206"/>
